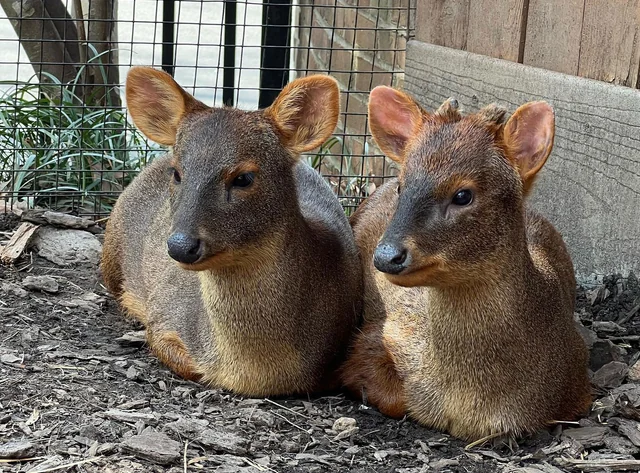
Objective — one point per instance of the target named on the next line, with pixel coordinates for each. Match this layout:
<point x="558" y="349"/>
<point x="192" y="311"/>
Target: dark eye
<point x="462" y="197"/>
<point x="176" y="176"/>
<point x="243" y="180"/>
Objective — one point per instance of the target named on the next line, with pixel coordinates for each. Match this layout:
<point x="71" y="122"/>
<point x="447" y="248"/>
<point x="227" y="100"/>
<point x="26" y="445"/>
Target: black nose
<point x="390" y="259"/>
<point x="184" y="248"/>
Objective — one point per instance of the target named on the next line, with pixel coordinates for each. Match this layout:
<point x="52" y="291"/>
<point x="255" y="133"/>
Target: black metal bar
<point x="228" y="75"/>
<point x="274" y="54"/>
<point x="168" y="40"/>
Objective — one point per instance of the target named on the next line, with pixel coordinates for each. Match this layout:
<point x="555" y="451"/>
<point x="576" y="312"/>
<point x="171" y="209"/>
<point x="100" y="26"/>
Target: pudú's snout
<point x="184" y="248"/>
<point x="391" y="257"/>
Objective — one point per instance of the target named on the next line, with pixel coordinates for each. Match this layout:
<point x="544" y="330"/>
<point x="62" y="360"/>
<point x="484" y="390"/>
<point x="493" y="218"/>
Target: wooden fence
<point x="598" y="39"/>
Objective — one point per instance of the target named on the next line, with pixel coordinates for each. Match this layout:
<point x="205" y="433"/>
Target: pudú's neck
<point x="256" y="285"/>
<point x="490" y="301"/>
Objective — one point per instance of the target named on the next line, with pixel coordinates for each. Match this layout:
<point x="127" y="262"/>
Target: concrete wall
<point x="590" y="186"/>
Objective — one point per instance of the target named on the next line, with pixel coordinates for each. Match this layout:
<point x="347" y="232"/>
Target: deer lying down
<point x="235" y="255"/>
<point x="469" y="297"/>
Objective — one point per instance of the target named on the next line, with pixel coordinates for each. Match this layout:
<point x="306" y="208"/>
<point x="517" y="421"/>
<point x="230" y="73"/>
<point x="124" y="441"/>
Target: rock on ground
<point x="65" y="247"/>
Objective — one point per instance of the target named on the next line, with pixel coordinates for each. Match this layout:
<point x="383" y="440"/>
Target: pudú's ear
<point x="157" y="103"/>
<point x="394" y="118"/>
<point x="305" y="113"/>
<point x="528" y="136"/>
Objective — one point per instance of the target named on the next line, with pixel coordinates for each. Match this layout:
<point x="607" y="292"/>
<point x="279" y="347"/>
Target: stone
<point x="41" y="283"/>
<point x="153" y="446"/>
<point x="634" y="372"/>
<point x="16" y="449"/>
<point x="344" y="423"/>
<point x="610" y="375"/>
<point x="67" y="247"/>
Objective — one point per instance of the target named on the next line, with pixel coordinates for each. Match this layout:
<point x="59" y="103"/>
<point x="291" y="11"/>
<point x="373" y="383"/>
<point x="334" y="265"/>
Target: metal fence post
<point x="168" y="40"/>
<point x="274" y="54"/>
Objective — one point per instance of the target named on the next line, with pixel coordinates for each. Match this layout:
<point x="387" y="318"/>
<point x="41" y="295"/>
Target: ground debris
<point x="58" y="219"/>
<point x="627" y="427"/>
<point x="599" y="465"/>
<point x="154" y="446"/>
<point x="16" y="449"/>
<point x="223" y="441"/>
<point x="610" y="375"/>
<point x="85" y="389"/>
<point x="588" y="437"/>
<point x="126" y="416"/>
<point x="620" y="445"/>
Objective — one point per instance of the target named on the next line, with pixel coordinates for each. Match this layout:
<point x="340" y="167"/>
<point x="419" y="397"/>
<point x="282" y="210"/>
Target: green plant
<point x="63" y="154"/>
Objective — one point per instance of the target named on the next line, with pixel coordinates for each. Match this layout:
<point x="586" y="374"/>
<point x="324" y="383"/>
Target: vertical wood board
<point x="443" y="22"/>
<point x="495" y="28"/>
<point x="609" y="47"/>
<point x="553" y="35"/>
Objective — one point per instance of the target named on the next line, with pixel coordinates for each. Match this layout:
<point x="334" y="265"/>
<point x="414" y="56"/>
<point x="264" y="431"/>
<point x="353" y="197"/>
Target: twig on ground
<point x="184" y="456"/>
<point x="286" y="408"/>
<point x="483" y="440"/>
<point x="18" y="460"/>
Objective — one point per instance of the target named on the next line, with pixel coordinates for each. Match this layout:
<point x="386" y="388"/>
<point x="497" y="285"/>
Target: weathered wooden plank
<point x="590" y="187"/>
<point x="496" y="28"/>
<point x="17" y="243"/>
<point x="443" y="22"/>
<point x="609" y="48"/>
<point x="553" y="35"/>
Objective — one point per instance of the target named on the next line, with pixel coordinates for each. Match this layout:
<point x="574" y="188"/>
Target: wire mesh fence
<point x="66" y="142"/>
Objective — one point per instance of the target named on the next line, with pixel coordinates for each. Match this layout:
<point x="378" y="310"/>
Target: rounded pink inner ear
<point x="157" y="103"/>
<point x="529" y="136"/>
<point x="394" y="119"/>
<point x="306" y="112"/>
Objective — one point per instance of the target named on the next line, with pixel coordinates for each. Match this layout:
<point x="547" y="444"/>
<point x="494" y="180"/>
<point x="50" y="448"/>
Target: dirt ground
<point x="80" y="392"/>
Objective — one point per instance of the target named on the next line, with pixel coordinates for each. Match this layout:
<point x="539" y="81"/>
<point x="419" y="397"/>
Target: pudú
<point x="469" y="297"/>
<point x="236" y="255"/>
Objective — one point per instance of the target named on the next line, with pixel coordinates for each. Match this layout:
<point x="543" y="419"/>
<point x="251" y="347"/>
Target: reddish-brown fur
<point x="471" y="329"/>
<point x="270" y="303"/>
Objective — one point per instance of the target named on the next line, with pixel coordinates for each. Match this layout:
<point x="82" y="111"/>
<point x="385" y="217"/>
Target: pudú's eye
<point x="243" y="180"/>
<point x="176" y="176"/>
<point x="462" y="197"/>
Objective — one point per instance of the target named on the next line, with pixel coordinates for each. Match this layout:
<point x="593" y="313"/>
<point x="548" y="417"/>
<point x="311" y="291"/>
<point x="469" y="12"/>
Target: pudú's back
<point x="234" y="254"/>
<point x="468" y="296"/>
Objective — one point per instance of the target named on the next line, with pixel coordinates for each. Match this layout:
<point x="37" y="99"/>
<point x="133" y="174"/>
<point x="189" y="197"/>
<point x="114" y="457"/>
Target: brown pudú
<point x="235" y="255"/>
<point x="469" y="297"/>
